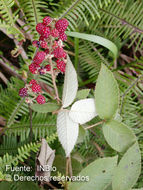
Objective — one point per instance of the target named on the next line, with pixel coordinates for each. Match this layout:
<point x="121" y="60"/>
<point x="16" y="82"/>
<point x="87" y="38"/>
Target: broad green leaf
<point x="24" y="185"/>
<point x="70" y="84"/>
<point x="5" y="185"/>
<point x="96" y="39"/>
<point x="60" y="164"/>
<point x="67" y="131"/>
<point x="118" y="135"/>
<point x="45" y="108"/>
<point x="128" y="170"/>
<point x="83" y="110"/>
<point x="99" y="173"/>
<point x="82" y="94"/>
<point x="106" y="94"/>
<point x="109" y="187"/>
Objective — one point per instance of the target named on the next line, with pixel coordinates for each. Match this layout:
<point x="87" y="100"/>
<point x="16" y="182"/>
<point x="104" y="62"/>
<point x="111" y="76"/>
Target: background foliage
<point x="120" y="21"/>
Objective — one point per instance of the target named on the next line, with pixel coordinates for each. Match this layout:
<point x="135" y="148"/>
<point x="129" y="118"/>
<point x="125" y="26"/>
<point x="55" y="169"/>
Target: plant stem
<point x="70" y="167"/>
<point x="99" y="149"/>
<point x="67" y="166"/>
<point x="31" y="132"/>
<point x="67" y="170"/>
<point x="72" y="6"/>
<point x="100" y="55"/>
<point x="54" y="81"/>
<point x="96" y="124"/>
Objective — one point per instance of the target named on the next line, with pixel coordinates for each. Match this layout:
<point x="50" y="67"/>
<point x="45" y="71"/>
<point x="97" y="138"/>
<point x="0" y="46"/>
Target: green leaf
<point x="96" y="39"/>
<point x="82" y="94"/>
<point x="118" y="135"/>
<point x="128" y="170"/>
<point x="60" y="164"/>
<point x="99" y="174"/>
<point x="108" y="187"/>
<point x="106" y="94"/>
<point x="24" y="185"/>
<point x="5" y="185"/>
<point x="45" y="108"/>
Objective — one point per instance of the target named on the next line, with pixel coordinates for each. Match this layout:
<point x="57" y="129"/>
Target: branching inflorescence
<point x="49" y="58"/>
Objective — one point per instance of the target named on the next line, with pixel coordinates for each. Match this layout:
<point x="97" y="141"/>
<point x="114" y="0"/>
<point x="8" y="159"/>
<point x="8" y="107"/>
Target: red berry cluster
<point x="33" y="89"/>
<point x="49" y="47"/>
<point x="52" y="34"/>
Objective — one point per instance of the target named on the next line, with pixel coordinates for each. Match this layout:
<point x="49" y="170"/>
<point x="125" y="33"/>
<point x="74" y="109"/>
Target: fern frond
<point x="76" y="11"/>
<point x="5" y="10"/>
<point x="89" y="60"/>
<point x="46" y="79"/>
<point x="122" y="19"/>
<point x="10" y="145"/>
<point x="132" y="110"/>
<point x="31" y="52"/>
<point x="13" y="107"/>
<point x="3" y="24"/>
<point x="33" y="14"/>
<point x="9" y="18"/>
<point x="23" y="153"/>
<point x="42" y="125"/>
<point x="94" y="138"/>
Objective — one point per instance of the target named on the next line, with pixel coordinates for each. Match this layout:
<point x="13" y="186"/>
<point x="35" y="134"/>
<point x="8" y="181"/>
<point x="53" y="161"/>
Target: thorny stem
<point x="54" y="81"/>
<point x="96" y="124"/>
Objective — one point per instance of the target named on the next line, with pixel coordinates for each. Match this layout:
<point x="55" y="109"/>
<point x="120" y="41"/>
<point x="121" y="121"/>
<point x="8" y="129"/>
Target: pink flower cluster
<point x="49" y="46"/>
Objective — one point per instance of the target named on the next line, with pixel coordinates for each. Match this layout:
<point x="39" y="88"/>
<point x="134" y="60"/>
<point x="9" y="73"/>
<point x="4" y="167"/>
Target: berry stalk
<point x="54" y="81"/>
